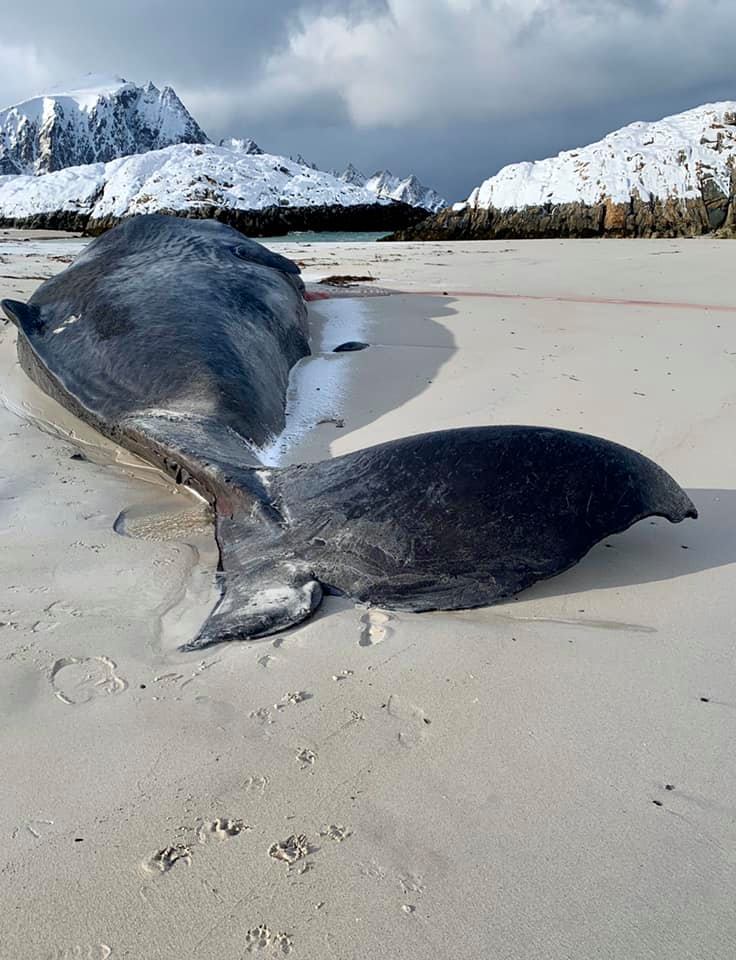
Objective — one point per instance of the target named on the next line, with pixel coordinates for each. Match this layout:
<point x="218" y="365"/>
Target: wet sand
<point x="550" y="778"/>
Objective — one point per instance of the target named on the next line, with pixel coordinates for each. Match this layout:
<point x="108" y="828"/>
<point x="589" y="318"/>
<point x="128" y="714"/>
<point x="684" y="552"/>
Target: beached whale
<point x="175" y="338"/>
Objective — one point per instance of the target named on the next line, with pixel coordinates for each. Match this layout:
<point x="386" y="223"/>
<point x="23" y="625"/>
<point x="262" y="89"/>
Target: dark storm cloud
<point x="450" y="89"/>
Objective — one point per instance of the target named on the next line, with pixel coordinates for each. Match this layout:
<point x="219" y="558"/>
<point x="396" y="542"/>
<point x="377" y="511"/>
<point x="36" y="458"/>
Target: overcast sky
<point x="449" y="89"/>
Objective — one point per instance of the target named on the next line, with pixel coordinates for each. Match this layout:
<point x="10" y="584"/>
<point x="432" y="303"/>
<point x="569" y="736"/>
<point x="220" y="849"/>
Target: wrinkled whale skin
<point x="454" y="519"/>
<point x="175" y="338"/>
<point x="171" y="337"/>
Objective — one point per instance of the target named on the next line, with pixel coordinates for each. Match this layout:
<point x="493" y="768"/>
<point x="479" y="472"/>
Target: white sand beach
<point x="550" y="778"/>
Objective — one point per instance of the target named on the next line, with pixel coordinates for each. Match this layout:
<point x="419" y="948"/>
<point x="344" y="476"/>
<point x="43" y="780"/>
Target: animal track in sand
<point x="411" y="884"/>
<point x="371" y="870"/>
<point x="261" y="938"/>
<point x="255" y="784"/>
<point x="294" y="848"/>
<point x="98" y="951"/>
<point x="376" y="627"/>
<point x="76" y="680"/>
<point x="306" y="757"/>
<point x="336" y="832"/>
<point x="220" y="828"/>
<point x="163" y="860"/>
<point x="290" y="699"/>
<point x="264" y="715"/>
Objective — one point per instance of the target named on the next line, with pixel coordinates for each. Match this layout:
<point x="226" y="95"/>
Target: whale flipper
<point x="26" y="316"/>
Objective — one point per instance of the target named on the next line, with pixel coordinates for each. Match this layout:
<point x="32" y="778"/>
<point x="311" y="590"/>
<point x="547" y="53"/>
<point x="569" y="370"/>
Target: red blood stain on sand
<point x="611" y="301"/>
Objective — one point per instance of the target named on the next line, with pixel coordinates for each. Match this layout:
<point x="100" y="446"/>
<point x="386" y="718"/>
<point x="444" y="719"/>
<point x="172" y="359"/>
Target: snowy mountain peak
<point x="246" y="145"/>
<point x="303" y="162"/>
<point x="385" y="185"/>
<point x="409" y="190"/>
<point x="90" y="85"/>
<point x="352" y="175"/>
<point x="95" y="119"/>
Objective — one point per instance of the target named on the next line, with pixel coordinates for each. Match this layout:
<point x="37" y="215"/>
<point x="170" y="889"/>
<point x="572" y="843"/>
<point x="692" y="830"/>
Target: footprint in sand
<point x="413" y="721"/>
<point x="77" y="680"/>
<point x="376" y="627"/>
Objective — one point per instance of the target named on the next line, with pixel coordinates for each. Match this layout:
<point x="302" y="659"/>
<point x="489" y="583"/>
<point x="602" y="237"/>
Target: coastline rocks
<point x="671" y="217"/>
<point x="269" y="222"/>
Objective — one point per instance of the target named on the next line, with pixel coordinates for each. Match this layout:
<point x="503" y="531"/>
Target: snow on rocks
<point x="179" y="178"/>
<point x="95" y="120"/>
<point x="669" y="158"/>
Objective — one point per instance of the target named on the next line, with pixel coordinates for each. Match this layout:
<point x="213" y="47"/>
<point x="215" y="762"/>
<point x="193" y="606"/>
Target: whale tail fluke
<point x="443" y="521"/>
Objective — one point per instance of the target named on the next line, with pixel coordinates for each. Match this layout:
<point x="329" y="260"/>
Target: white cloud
<point x="433" y="60"/>
<point x="22" y="72"/>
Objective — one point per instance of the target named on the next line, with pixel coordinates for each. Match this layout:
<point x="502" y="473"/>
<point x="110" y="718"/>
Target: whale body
<point x="175" y="339"/>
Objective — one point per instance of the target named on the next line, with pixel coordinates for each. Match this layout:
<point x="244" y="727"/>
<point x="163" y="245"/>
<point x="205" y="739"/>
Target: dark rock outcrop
<point x="672" y="217"/>
<point x="269" y="222"/>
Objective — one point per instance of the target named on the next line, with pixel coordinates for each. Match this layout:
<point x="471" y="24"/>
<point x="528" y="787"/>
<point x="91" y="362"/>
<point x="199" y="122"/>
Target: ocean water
<point x="326" y="237"/>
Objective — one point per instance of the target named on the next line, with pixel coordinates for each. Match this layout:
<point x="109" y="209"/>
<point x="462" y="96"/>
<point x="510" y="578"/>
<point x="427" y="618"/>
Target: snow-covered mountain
<point x="95" y="152"/>
<point x="96" y="120"/>
<point x="181" y="178"/>
<point x="302" y="162"/>
<point x="669" y="158"/>
<point x="241" y="146"/>
<point x="386" y="186"/>
<point x="352" y="175"/>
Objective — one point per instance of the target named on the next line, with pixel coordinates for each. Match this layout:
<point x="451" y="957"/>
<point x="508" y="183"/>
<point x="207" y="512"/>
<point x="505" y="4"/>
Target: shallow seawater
<point x="308" y="236"/>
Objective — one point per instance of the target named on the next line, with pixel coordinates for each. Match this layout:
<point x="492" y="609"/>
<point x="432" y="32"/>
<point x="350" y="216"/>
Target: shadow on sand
<point x="407" y="348"/>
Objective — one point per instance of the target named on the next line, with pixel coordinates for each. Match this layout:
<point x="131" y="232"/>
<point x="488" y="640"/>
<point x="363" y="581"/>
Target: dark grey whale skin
<point x="175" y="338"/>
